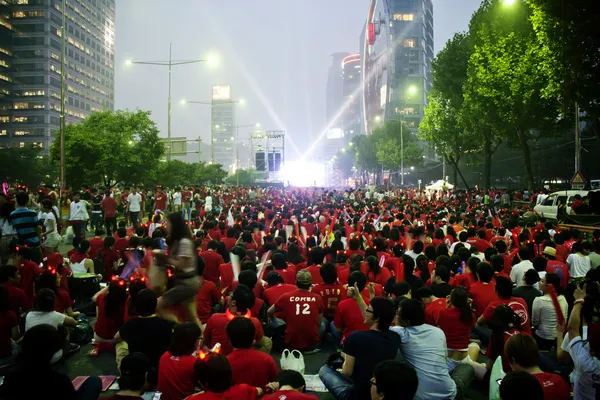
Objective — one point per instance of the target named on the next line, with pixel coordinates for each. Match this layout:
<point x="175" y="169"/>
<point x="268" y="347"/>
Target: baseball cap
<point x="550" y="251"/>
<point x="135" y="364"/>
<point x="304" y="277"/>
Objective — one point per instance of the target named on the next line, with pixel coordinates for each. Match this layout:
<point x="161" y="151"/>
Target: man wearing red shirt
<point x="28" y="271"/>
<point x="248" y="365"/>
<point x="483" y="292"/>
<point x="17" y="299"/>
<point x="348" y="317"/>
<point x="242" y="300"/>
<point x="276" y="288"/>
<point x="330" y="291"/>
<point x="556" y="267"/>
<point x="226" y="273"/>
<point x="315" y="273"/>
<point x="230" y="240"/>
<point x="522" y="353"/>
<point x="517" y="304"/>
<point x="212" y="260"/>
<point x="433" y="305"/>
<point x="303" y="311"/>
<point x="122" y="242"/>
<point x="208" y="296"/>
<point x="291" y="387"/>
<point x="186" y="200"/>
<point x="109" y="205"/>
<point x="160" y="200"/>
<point x="96" y="243"/>
<point x="481" y="244"/>
<point x="287" y="272"/>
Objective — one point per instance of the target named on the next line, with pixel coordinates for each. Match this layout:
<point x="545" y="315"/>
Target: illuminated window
<point x="21" y="144"/>
<point x="4" y="118"/>
<point x="38" y="144"/>
<point x="22" y="133"/>
<point x="39" y="106"/>
<point x="20" y="119"/>
<point x="409" y="43"/>
<point x="21" y="106"/>
<point x="5" y="51"/>
<point x="4" y="63"/>
<point x="26" y="14"/>
<point x="404" y="17"/>
<point x="34" y="93"/>
<point x="5" y="78"/>
<point x="3" y="132"/>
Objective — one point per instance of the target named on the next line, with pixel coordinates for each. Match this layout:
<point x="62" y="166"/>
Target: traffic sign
<point x="578" y="179"/>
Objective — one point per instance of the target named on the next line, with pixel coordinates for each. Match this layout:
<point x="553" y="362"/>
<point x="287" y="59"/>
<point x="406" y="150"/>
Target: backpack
<point x="99" y="263"/>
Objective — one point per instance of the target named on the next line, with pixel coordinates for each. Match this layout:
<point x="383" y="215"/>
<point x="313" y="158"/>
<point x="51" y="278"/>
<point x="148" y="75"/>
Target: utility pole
<point x="169" y="106"/>
<point x="402" y="151"/>
<point x="63" y="177"/>
<point x="577" y="140"/>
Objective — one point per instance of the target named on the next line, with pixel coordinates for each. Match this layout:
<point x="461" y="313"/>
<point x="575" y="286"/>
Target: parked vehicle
<point x="549" y="207"/>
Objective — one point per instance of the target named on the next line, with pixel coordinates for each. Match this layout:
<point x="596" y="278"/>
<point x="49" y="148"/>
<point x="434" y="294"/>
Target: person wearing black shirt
<point x="439" y="282"/>
<point x="147" y="334"/>
<point x="96" y="200"/>
<point x="363" y="350"/>
<point x="409" y="267"/>
<point x="526" y="291"/>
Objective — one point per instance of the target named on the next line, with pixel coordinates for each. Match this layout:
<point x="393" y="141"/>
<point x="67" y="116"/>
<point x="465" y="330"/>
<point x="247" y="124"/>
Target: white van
<point x="549" y="207"/>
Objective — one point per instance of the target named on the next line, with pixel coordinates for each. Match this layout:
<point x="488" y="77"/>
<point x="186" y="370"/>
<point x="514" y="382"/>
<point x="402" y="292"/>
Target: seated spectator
<point x="148" y="334"/>
<point x="110" y="306"/>
<point x="208" y="294"/>
<point x="240" y="303"/>
<point x="348" y="316"/>
<point x="9" y="329"/>
<point x="433" y="305"/>
<point x="96" y="243"/>
<point x="110" y="258"/>
<point x="248" y="366"/>
<point x="17" y="299"/>
<point x="483" y="291"/>
<point x="51" y="279"/>
<point x="543" y="314"/>
<point x="133" y="382"/>
<point x="424" y="348"/>
<point x="439" y="282"/>
<point x="34" y="378"/>
<point x="394" y="380"/>
<point x="287" y="271"/>
<point x="176" y="379"/>
<point x="520" y="385"/>
<point x="28" y="270"/>
<point x="527" y="291"/>
<point x="291" y="386"/>
<point x="80" y="261"/>
<point x="401" y="291"/>
<point x="276" y="288"/>
<point x="517" y="304"/>
<point x="212" y="260"/>
<point x="226" y="271"/>
<point x="504" y="324"/>
<point x="363" y="350"/>
<point x="249" y="279"/>
<point x="375" y="273"/>
<point x="330" y="291"/>
<point x="523" y="355"/>
<point x="302" y="311"/>
<point x="497" y="263"/>
<point x="518" y="270"/>
<point x="215" y="377"/>
<point x="409" y="266"/>
<point x="136" y="285"/>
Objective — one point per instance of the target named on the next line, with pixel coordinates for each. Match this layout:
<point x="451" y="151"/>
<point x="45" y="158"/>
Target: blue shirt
<point x="25" y="222"/>
<point x="424" y="348"/>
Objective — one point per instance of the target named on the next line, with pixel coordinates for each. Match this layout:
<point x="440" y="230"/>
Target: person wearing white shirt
<point x="177" y="200"/>
<point x="78" y="215"/>
<point x="518" y="271"/>
<point x="208" y="203"/>
<point x="462" y="237"/>
<point x="134" y="201"/>
<point x="579" y="260"/>
<point x="543" y="314"/>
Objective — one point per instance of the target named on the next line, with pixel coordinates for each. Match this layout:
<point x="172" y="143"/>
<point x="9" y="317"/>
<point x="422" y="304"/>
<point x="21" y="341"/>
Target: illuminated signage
<point x="221" y="93"/>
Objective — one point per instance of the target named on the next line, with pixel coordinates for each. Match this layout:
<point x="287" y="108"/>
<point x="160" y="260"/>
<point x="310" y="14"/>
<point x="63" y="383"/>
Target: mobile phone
<point x="498" y="381"/>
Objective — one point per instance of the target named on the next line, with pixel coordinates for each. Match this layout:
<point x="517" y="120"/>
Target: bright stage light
<point x="304" y="174"/>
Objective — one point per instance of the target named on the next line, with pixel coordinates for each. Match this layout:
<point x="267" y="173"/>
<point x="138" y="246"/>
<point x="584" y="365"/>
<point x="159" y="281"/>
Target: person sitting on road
<point x="394" y="380"/>
<point x="290" y="385"/>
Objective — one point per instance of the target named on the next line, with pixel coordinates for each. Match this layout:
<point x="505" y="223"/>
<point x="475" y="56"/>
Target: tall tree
<point x="27" y="165"/>
<point x="388" y="145"/>
<point x="508" y="79"/>
<point x="111" y="147"/>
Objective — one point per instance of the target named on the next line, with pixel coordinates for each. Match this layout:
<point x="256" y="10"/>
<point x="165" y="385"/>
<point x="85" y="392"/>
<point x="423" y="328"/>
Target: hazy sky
<point x="274" y="53"/>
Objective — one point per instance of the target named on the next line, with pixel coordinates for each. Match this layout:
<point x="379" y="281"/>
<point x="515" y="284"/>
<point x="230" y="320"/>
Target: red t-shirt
<point x="109" y="204"/>
<point x="53" y="260"/>
<point x="96" y="244"/>
<point x="315" y="273"/>
<point x="123" y="198"/>
<point x="433" y="310"/>
<point x="176" y="379"/>
<point x="63" y="301"/>
<point x="289" y="275"/>
<point x="214" y="234"/>
<point x="482" y="294"/>
<point x="160" y="201"/>
<point x="560" y="269"/>
<point x="349" y="318"/>
<point x="252" y="367"/>
<point x="457" y="332"/>
<point x="301" y="310"/>
<point x="289" y="395"/>
<point x="229" y="243"/>
<point x="17" y="299"/>
<point x="110" y="257"/>
<point x="120" y="245"/>
<point x="226" y="277"/>
<point x="518" y="305"/>
<point x="8" y="320"/>
<point x="237" y="392"/>
<point x="215" y="331"/>
<point x="270" y="295"/>
<point x="381" y="278"/>
<point x="553" y="385"/>
<point x="29" y="272"/>
<point x="207" y="297"/>
<point x="331" y="295"/>
<point x="465" y="279"/>
<point x="212" y="260"/>
<point x="107" y="327"/>
<point x="186" y="196"/>
<point x="343" y="272"/>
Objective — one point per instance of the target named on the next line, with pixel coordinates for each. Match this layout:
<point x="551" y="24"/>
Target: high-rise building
<point x="223" y="128"/>
<point x="397" y="53"/>
<point x="334" y="106"/>
<point x="30" y="66"/>
<point x="352" y="89"/>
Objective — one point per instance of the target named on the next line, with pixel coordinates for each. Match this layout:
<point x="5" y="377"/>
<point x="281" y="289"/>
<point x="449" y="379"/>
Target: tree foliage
<point x="27" y="165"/>
<point x="178" y="173"/>
<point x="111" y="147"/>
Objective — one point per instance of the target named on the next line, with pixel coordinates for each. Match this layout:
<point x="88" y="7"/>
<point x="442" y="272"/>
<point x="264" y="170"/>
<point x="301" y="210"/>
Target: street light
<point x="212" y="59"/>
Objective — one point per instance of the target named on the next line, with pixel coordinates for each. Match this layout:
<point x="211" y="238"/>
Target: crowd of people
<point x="203" y="288"/>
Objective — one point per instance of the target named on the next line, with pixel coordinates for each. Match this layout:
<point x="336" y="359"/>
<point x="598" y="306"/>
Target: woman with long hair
<point x="8" y="232"/>
<point x="376" y="274"/>
<point x="136" y="285"/>
<point x="51" y="236"/>
<point x="182" y="256"/>
<point x="64" y="205"/>
<point x="504" y="324"/>
<point x="422" y="268"/>
<point x="110" y="311"/>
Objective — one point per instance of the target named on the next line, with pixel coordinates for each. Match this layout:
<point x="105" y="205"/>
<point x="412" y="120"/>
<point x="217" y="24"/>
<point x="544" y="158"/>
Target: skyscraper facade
<point x="352" y="91"/>
<point x="223" y="128"/>
<point x="397" y="52"/>
<point x="335" y="88"/>
<point x="30" y="66"/>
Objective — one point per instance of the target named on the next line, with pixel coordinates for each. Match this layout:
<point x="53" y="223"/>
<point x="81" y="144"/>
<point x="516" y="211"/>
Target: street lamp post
<point x="170" y="64"/>
<point x="63" y="178"/>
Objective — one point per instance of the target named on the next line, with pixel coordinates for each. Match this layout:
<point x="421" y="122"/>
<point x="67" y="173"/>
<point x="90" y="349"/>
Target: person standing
<point x="160" y="200"/>
<point x="186" y="201"/>
<point x="177" y="200"/>
<point x="109" y="205"/>
<point x="96" y="201"/>
<point x="134" y="206"/>
<point x="78" y="215"/>
<point x="123" y="198"/>
<point x="25" y="223"/>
